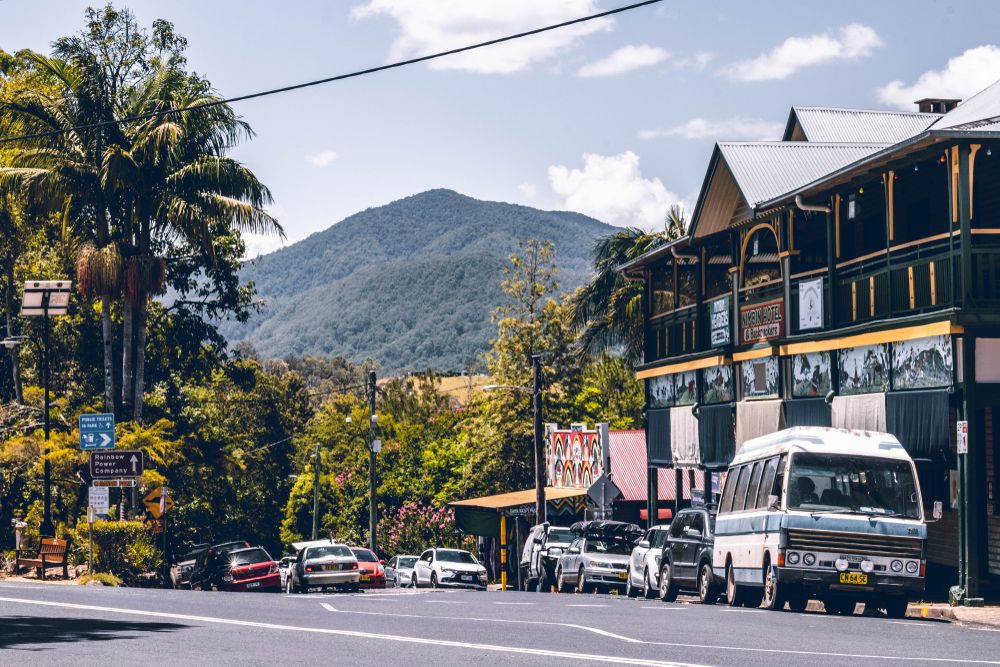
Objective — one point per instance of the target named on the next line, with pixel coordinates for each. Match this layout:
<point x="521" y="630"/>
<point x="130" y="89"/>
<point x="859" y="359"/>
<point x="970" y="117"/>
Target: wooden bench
<point x="51" y="553"/>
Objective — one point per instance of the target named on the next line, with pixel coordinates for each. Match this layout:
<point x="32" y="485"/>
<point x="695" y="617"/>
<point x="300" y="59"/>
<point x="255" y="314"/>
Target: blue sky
<point x="616" y="120"/>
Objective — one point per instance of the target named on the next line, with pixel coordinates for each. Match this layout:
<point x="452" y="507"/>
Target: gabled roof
<point x="831" y="125"/>
<point x="742" y="175"/>
<point x="980" y="109"/>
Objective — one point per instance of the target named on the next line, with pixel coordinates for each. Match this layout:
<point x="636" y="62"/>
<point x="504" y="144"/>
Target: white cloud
<point x="625" y="59"/>
<point x="850" y="42"/>
<point x="528" y="190"/>
<point x="428" y="26"/>
<point x="612" y="188"/>
<point x="697" y="62"/>
<point x="963" y="76"/>
<point x="321" y="159"/>
<point x="732" y="129"/>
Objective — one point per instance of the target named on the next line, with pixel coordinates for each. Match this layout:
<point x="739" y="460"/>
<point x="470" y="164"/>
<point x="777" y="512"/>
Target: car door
<point x="694" y="532"/>
<point x="637" y="559"/>
<point x="674" y="549"/>
<point x="390" y="570"/>
<point x="571" y="560"/>
<point x="423" y="567"/>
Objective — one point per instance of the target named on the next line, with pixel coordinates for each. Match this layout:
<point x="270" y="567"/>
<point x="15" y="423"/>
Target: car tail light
<point x="354" y="566"/>
<point x="309" y="568"/>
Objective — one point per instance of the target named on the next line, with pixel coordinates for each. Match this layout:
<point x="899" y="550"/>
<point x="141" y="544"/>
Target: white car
<point x="399" y="571"/>
<point x="644" y="563"/>
<point x="323" y="564"/>
<point x="448" y="567"/>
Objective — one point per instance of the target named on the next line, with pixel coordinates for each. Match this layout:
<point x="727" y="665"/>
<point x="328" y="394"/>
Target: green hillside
<point x="411" y="284"/>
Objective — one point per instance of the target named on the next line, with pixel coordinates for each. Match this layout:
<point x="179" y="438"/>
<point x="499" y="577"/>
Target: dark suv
<point x="211" y="563"/>
<point x="540" y="554"/>
<point x="686" y="561"/>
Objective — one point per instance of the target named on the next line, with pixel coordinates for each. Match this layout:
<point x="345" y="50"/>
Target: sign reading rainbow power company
<point x="762" y="321"/>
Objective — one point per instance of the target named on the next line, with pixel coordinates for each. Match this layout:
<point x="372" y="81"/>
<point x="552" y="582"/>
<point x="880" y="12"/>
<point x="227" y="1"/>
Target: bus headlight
<point x="867" y="566"/>
<point x="809" y="560"/>
<point x="896" y="565"/>
<point x="911" y="566"/>
<point x="793" y="558"/>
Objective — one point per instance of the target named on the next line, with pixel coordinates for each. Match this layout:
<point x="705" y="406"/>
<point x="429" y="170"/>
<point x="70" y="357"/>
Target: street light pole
<point x="372" y="439"/>
<point x="536" y="400"/>
<point x="46" y="529"/>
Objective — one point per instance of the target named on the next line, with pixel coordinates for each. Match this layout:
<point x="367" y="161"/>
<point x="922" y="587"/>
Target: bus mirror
<point x="937" y="511"/>
<point x="772" y="503"/>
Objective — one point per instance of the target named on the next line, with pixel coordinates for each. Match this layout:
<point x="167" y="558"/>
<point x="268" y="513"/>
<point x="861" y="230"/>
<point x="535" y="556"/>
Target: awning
<point x="481" y="516"/>
<point x="863" y="412"/>
<point x="920" y="421"/>
<point x="684" y="446"/>
<point x="807" y="412"/>
<point x="757" y="418"/>
<point x="630" y="473"/>
<point x="716" y="436"/>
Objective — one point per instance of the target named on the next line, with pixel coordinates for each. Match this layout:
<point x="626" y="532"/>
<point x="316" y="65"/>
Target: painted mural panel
<point x="864" y="369"/>
<point x="662" y="391"/>
<point x="574" y="459"/>
<point x="686" y="388"/>
<point x="760" y="378"/>
<point x="718" y="384"/>
<point x="811" y="374"/>
<point x="924" y="362"/>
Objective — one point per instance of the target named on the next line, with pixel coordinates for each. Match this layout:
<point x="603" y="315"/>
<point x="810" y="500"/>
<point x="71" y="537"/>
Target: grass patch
<point x="105" y="578"/>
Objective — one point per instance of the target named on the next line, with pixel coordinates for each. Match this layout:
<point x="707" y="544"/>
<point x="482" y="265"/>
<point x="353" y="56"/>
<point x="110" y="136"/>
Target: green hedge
<point x="122" y="548"/>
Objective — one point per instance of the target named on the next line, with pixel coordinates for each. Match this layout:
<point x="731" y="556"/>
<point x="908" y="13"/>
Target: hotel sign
<point x="720" y="322"/>
<point x="762" y="321"/>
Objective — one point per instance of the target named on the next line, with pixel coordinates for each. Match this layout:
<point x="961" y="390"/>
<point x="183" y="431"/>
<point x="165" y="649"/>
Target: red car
<point x="372" y="569"/>
<point x="250" y="569"/>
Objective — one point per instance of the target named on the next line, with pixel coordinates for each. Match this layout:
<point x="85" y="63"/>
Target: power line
<point x="338" y="77"/>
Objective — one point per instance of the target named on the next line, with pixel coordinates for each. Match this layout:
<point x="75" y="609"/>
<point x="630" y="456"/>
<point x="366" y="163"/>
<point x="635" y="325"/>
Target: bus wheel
<point x="774" y="592"/>
<point x="734" y="593"/>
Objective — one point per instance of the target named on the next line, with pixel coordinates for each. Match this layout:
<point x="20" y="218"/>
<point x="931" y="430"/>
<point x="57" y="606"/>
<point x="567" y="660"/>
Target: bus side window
<point x="739" y="502"/>
<point x="779" y="480"/>
<point x="767" y="483"/>
<point x="726" y="505"/>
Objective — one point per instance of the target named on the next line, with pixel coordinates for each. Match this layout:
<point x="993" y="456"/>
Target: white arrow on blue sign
<point x="97" y="431"/>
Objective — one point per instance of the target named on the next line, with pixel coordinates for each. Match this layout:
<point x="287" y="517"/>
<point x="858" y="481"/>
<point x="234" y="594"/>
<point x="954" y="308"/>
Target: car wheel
<point x="774" y="591"/>
<point x="648" y="589"/>
<point x="707" y="592"/>
<point x="544" y="584"/>
<point x="630" y="590"/>
<point x="561" y="584"/>
<point x="668" y="587"/>
<point x="581" y="583"/>
<point x="434" y="580"/>
<point x="895" y="606"/>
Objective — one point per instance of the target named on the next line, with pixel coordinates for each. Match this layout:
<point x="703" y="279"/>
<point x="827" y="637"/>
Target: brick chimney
<point x="936" y="105"/>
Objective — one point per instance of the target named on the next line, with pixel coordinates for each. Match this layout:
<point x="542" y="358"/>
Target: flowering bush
<point x="416" y="526"/>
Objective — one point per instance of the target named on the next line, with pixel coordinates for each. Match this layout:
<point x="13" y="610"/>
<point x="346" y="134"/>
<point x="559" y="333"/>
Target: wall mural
<point x="574" y="459"/>
<point x="924" y="362"/>
<point x="811" y="374"/>
<point x="760" y="378"/>
<point x="661" y="391"/>
<point x="686" y="392"/>
<point x="718" y="383"/>
<point x="864" y="370"/>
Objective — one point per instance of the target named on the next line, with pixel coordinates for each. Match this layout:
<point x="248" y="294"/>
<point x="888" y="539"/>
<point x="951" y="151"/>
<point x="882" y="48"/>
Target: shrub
<point x="416" y="526"/>
<point x="103" y="577"/>
<point x="122" y="548"/>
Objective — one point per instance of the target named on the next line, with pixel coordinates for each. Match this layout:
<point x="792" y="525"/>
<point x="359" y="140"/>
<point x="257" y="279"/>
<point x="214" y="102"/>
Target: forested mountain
<point x="411" y="284"/>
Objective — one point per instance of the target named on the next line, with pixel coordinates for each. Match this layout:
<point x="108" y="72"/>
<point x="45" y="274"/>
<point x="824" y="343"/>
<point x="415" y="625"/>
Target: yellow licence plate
<point x="365" y="577"/>
<point x="853" y="578"/>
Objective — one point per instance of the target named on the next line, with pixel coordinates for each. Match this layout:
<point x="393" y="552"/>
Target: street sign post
<point x="116" y="463"/>
<point x="158" y="502"/>
<point x="603" y="492"/>
<point x="97" y="431"/>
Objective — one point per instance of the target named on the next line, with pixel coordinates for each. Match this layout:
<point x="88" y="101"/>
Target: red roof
<point x="628" y="469"/>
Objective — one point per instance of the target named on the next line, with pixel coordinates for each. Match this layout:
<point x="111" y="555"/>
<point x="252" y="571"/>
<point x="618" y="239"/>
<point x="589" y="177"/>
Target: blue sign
<point x="97" y="431"/>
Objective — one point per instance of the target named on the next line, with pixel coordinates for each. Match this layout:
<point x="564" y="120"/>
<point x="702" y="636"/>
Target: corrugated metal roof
<point x="981" y="108"/>
<point x="628" y="469"/>
<point x="831" y="125"/>
<point x="765" y="170"/>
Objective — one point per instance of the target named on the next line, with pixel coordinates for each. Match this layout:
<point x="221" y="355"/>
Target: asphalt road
<point x="80" y="625"/>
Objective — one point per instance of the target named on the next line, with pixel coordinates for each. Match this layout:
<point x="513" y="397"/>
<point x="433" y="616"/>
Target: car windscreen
<point x="854" y="484"/>
<point x="365" y="556"/>
<point x="608" y="547"/>
<point x="326" y="552"/>
<point x="407" y="562"/>
<point x="248" y="557"/>
<point x="457" y="557"/>
<point x="559" y="536"/>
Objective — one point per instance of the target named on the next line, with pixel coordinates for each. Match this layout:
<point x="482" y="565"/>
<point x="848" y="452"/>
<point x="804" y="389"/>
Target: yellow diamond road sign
<point x="152" y="501"/>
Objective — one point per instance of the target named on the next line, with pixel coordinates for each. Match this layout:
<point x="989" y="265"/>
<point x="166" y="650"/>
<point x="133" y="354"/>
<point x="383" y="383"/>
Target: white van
<point x="821" y="512"/>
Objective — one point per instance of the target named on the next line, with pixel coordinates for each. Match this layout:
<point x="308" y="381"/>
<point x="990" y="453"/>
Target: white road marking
<point x="918" y="623"/>
<point x="614" y="659"/>
<point x="448" y="601"/>
<point x="586" y="605"/>
<point x="326" y="606"/>
<point x="515" y="603"/>
<point x="666" y="607"/>
<point x="745" y="611"/>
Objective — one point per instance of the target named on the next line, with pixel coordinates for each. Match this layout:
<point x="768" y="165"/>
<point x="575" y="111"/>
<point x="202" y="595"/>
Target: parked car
<point x="644" y="563"/>
<point x="206" y="575"/>
<point x="399" y="570"/>
<point x="323" y="564"/>
<point x="448" y="567"/>
<point x="597" y="557"/>
<point x="250" y="569"/>
<point x="686" y="562"/>
<point x="372" y="568"/>
<point x="180" y="571"/>
<point x="540" y="554"/>
<point x="284" y="566"/>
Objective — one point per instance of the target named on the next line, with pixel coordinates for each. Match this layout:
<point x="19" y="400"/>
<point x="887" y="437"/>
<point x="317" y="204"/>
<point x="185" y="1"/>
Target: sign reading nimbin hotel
<point x="762" y="321"/>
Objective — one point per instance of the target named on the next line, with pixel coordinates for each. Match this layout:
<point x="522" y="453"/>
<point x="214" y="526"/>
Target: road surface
<point x="47" y="624"/>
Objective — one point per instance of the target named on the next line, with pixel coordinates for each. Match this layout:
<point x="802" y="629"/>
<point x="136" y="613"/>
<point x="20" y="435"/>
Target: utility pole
<point x="315" y="531"/>
<point x="372" y="440"/>
<point x="536" y="400"/>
